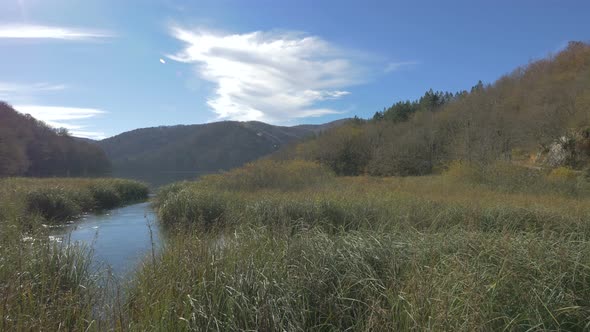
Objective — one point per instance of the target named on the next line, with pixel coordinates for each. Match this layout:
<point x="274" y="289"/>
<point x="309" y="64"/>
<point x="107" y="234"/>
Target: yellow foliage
<point x="463" y="171"/>
<point x="562" y="174"/>
<point x="266" y="174"/>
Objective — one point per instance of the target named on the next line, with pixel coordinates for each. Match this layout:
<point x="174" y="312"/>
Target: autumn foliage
<point x="29" y="147"/>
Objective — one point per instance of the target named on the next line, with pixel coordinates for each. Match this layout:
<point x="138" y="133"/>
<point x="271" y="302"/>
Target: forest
<point x="29" y="147"/>
<point x="525" y="117"/>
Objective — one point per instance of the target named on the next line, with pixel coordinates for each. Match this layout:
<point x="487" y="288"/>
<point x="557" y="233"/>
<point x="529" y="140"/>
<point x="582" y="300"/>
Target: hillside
<point x="29" y="147"/>
<point x="164" y="154"/>
<point x="537" y="116"/>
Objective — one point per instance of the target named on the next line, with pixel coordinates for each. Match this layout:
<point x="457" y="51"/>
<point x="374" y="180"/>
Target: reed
<point x="449" y="252"/>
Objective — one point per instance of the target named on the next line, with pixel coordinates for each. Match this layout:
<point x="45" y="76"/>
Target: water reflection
<point x="119" y="238"/>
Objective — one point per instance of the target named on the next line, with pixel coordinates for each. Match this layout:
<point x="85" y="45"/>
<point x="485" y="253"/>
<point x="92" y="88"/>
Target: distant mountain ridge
<point x="169" y="153"/>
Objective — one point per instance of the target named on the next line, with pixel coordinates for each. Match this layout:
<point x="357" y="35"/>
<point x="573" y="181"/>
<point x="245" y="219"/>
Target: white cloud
<point x="393" y="66"/>
<point x="62" y="117"/>
<point x="8" y="89"/>
<point x="28" y="31"/>
<point x="272" y="77"/>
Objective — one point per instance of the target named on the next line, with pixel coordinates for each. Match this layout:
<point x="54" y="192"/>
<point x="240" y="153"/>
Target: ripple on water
<point x="124" y="237"/>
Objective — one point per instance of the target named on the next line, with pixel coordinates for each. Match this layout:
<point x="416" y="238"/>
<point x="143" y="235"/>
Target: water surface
<point x="119" y="237"/>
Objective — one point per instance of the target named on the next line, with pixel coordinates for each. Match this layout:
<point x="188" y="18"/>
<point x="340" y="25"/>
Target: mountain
<point x="169" y="153"/>
<point x="29" y="147"/>
<point x="537" y="116"/>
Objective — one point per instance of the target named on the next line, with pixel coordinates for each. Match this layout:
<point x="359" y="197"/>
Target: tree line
<point x="515" y="119"/>
<point x="29" y="147"/>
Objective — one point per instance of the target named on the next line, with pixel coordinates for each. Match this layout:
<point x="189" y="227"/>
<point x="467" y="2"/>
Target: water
<point x="119" y="237"/>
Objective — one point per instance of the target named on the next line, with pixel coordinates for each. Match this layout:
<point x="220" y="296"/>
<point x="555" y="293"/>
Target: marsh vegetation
<point x="311" y="251"/>
<point x="46" y="285"/>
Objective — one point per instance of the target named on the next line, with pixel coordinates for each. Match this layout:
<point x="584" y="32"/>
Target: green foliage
<point x="206" y="202"/>
<point x="57" y="200"/>
<point x="343" y="149"/>
<point x="403" y="110"/>
<point x="46" y="285"/>
<point x="54" y="204"/>
<point x="192" y="206"/>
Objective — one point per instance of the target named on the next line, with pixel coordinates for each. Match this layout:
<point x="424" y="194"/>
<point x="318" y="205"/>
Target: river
<point x="120" y="237"/>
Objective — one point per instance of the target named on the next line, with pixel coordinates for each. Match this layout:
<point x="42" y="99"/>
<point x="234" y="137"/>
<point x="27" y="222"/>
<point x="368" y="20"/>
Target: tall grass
<point x="271" y="174"/>
<point x="383" y="205"/>
<point x="57" y="200"/>
<point x="457" y="252"/>
<point x="49" y="286"/>
<point x="453" y="280"/>
<point x="465" y="251"/>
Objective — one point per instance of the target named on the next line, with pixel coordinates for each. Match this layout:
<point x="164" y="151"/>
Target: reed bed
<point x="440" y="253"/>
<point x="51" y="286"/>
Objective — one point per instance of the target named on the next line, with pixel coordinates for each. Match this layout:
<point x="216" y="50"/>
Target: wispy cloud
<point x="393" y="66"/>
<point x="28" y="31"/>
<point x="271" y="77"/>
<point x="64" y="117"/>
<point x="8" y="89"/>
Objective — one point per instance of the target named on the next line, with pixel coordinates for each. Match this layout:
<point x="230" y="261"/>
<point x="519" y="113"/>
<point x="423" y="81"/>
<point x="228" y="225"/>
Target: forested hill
<point x="537" y="116"/>
<point x="31" y="148"/>
<point x="163" y="154"/>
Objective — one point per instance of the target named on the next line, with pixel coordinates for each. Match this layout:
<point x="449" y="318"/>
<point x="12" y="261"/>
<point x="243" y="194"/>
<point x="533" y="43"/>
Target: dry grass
<point x="422" y="253"/>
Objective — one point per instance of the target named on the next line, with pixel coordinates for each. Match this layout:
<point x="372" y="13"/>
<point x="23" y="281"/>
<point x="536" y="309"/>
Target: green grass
<point x="60" y="199"/>
<point x="425" y="253"/>
<point x="46" y="285"/>
<point x="453" y="280"/>
<point x="313" y="252"/>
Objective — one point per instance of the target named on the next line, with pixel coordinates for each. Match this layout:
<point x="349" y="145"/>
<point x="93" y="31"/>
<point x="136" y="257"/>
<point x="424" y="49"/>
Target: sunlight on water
<point x="119" y="238"/>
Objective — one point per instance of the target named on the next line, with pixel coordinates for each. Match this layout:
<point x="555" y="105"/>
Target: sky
<point x="102" y="67"/>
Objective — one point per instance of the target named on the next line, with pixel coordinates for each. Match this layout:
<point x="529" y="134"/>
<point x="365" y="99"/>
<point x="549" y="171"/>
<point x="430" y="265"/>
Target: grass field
<point x="45" y="285"/>
<point x="447" y="252"/>
<point x="287" y="246"/>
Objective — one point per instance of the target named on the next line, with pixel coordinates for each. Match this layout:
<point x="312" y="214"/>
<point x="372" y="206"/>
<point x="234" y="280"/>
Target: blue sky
<point x="101" y="67"/>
